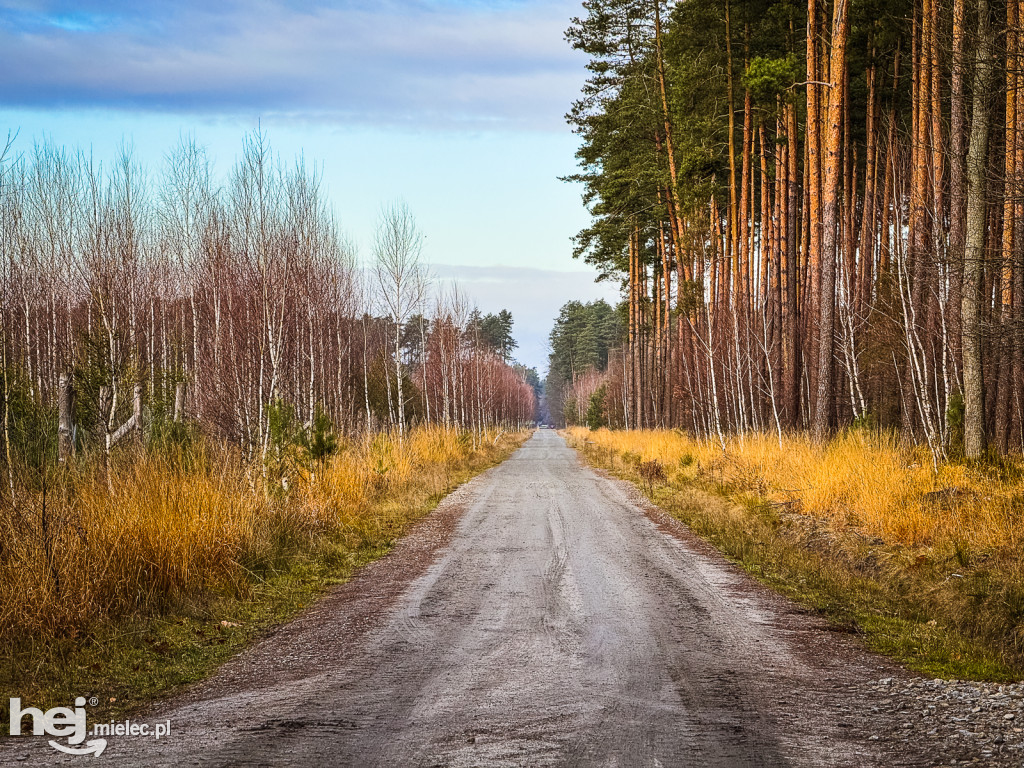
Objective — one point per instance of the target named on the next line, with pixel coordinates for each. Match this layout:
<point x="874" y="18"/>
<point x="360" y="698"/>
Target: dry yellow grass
<point x="862" y="481"/>
<point x="177" y="526"/>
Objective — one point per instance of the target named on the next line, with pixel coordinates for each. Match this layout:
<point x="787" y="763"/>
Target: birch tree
<point x="401" y="278"/>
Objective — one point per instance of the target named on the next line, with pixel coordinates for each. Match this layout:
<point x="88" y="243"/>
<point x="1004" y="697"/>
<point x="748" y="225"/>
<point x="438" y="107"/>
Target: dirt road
<point x="541" y="616"/>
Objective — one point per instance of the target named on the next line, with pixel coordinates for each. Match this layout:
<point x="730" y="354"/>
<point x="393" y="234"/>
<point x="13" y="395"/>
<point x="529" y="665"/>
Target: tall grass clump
<point x="159" y="531"/>
<point x="865" y="526"/>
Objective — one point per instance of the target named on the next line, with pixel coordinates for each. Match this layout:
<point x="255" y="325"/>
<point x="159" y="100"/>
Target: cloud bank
<point x="395" y="62"/>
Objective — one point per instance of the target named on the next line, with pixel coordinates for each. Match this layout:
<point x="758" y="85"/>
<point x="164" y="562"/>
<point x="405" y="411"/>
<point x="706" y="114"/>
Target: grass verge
<point x="291" y="552"/>
<point x="938" y="604"/>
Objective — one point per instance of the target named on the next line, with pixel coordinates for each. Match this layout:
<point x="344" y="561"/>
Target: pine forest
<point x="817" y="212"/>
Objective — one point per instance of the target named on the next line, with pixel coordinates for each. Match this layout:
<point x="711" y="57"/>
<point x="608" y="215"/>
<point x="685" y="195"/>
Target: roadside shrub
<point x="651" y="472"/>
<point x="596" y="417"/>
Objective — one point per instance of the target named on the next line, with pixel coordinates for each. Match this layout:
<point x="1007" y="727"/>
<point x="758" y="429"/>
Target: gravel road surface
<point x="546" y="615"/>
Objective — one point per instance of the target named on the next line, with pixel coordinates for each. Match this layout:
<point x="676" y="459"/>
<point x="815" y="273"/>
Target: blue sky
<point x="454" y="106"/>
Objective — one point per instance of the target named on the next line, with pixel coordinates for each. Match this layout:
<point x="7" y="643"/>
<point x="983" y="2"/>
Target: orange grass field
<point x="861" y="480"/>
<point x="177" y="525"/>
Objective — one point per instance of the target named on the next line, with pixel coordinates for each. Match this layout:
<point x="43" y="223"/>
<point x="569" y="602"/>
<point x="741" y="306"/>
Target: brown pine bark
<point x="888" y="191"/>
<point x="974" y="244"/>
<point x="848" y="219"/>
<point x="936" y="137"/>
<point x="937" y="265"/>
<point x="821" y="420"/>
<point x="791" y="312"/>
<point x="665" y="374"/>
<point x="632" y="379"/>
<point x="868" y="218"/>
<point x="743" y="276"/>
<point x="805" y="304"/>
<point x="1017" y="319"/>
<point x="918" y="249"/>
<point x="957" y="180"/>
<point x="812" y="180"/>
<point x="767" y="228"/>
<point x="732" y="249"/>
<point x="1004" y="350"/>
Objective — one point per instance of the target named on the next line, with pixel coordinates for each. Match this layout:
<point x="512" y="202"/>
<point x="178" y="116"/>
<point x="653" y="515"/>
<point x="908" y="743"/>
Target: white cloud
<point x="388" y="62"/>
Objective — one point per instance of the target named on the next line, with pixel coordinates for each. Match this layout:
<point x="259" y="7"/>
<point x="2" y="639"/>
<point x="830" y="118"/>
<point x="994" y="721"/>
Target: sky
<point x="453" y="106"/>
